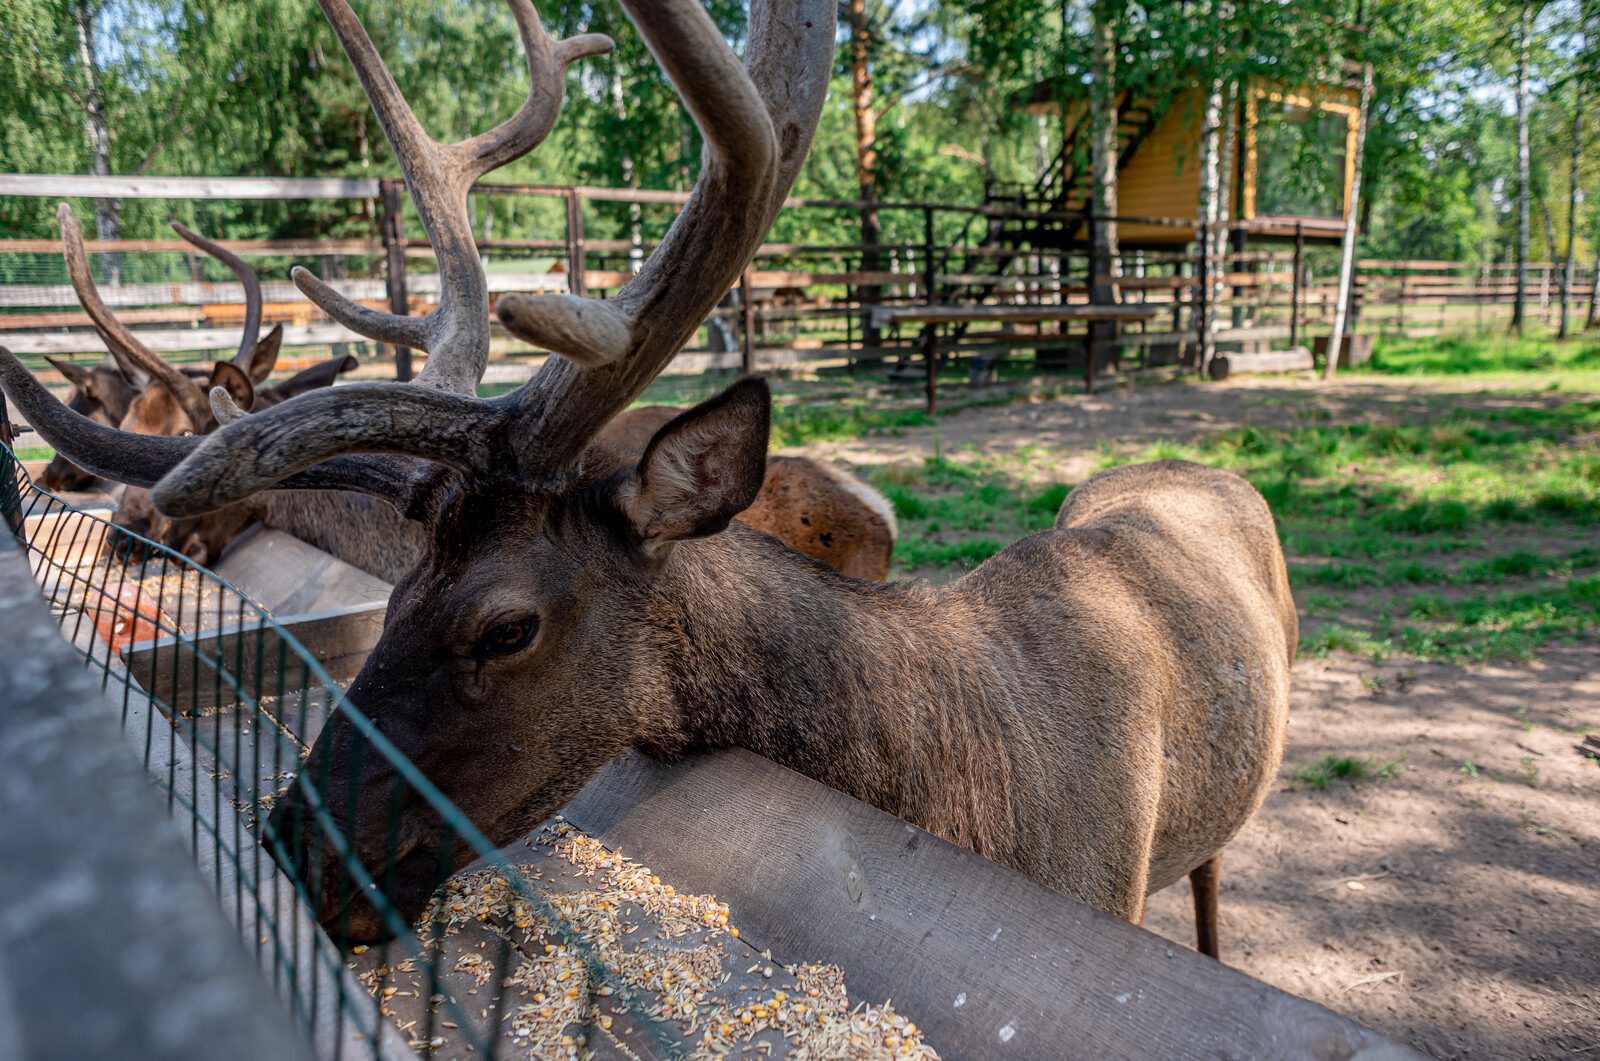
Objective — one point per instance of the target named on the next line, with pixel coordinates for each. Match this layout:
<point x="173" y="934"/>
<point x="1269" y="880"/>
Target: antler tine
<point x="757" y="128"/>
<point x="262" y="449"/>
<point x="548" y="60"/>
<point x="757" y="122"/>
<point x="252" y="293"/>
<point x="117" y="337"/>
<point x="142" y="460"/>
<point x="139" y="460"/>
<point x="438" y="176"/>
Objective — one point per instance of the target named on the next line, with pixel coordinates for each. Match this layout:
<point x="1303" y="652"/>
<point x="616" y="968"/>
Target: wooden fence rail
<point x="805" y="303"/>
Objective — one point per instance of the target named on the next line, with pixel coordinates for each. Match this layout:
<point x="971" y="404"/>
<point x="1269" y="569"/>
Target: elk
<point x="813" y="507"/>
<point x="171" y="401"/>
<point x="1100" y="706"/>
<point x="100" y="392"/>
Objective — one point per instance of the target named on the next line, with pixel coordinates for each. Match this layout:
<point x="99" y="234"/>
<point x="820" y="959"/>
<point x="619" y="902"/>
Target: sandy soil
<point x="1473" y="929"/>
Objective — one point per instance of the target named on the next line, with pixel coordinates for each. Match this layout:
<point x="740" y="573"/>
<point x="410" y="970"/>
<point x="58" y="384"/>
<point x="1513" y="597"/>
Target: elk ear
<point x="264" y="355"/>
<point x="231" y="378"/>
<point x="79" y="378"/>
<point x="703" y="468"/>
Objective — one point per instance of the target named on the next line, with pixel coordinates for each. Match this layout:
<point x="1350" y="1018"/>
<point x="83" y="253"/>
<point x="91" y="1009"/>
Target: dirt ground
<point x="1454" y="905"/>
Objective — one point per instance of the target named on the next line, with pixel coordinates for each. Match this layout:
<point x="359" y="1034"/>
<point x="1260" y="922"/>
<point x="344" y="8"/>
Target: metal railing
<point x="223" y="703"/>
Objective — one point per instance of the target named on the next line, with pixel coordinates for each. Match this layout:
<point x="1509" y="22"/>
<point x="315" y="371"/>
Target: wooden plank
<point x="67" y="538"/>
<point x="887" y="315"/>
<point x="242" y="247"/>
<point x="988" y="962"/>
<point x="177" y="671"/>
<point x="18" y="321"/>
<point x="288" y="576"/>
<point x="177" y="340"/>
<point x="56" y="185"/>
<point x="186" y="293"/>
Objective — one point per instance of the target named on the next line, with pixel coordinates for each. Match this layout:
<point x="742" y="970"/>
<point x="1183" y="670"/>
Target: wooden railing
<point x="807" y="301"/>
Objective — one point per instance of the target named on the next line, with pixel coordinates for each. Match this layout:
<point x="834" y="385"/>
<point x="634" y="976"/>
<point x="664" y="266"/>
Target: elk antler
<point x="118" y="339"/>
<point x="757" y="122"/>
<point x="245" y="358"/>
<point x="456" y="334"/>
<point x="141" y="460"/>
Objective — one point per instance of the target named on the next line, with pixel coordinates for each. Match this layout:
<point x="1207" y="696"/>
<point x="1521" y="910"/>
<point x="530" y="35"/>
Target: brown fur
<point x="157" y="412"/>
<point x="812" y="509"/>
<point x="1100" y="706"/>
<point x="102" y="393"/>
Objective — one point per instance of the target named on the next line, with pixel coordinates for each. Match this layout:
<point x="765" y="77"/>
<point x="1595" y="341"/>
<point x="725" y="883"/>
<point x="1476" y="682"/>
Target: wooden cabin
<point x="1293" y="162"/>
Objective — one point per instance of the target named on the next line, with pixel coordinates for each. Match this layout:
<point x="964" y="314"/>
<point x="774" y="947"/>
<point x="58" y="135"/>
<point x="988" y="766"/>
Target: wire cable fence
<point x="223" y="703"/>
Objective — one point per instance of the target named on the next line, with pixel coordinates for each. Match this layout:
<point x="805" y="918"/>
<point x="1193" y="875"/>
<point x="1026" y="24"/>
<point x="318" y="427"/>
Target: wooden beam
<point x="987" y="962"/>
<point x="340" y="640"/>
<point x="19" y="321"/>
<point x="243" y="247"/>
<point x="68" y="186"/>
<point x="174" y="341"/>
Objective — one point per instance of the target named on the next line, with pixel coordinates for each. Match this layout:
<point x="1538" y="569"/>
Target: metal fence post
<point x="394" y="247"/>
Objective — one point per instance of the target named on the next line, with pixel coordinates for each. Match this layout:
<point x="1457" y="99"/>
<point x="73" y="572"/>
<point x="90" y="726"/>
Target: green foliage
<point x="1457" y="355"/>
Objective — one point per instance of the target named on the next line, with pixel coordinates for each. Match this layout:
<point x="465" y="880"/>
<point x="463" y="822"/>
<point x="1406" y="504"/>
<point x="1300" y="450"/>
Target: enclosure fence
<point x="222" y="703"/>
<point x="807" y="302"/>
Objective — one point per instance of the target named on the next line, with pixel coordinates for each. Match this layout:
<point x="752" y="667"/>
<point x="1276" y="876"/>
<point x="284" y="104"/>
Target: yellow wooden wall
<point x="1163" y="177"/>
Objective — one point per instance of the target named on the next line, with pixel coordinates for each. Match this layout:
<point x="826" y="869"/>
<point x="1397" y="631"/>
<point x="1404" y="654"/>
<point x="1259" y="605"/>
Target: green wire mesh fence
<point x="224" y="703"/>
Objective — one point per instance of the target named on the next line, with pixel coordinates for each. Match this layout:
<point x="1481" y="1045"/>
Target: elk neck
<point x="891" y="693"/>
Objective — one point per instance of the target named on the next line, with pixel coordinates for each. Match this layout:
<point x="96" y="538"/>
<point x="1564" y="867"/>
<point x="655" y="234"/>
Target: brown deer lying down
<point x="1101" y="705"/>
<point x="814" y="508"/>
<point x="168" y="400"/>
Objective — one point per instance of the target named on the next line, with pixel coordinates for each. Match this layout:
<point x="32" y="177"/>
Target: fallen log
<point x="1294" y="359"/>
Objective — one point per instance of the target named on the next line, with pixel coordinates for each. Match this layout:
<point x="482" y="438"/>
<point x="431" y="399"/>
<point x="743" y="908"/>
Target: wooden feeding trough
<point x="986" y="962"/>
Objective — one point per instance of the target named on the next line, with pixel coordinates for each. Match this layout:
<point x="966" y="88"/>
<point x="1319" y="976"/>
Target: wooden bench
<point x="935" y="315"/>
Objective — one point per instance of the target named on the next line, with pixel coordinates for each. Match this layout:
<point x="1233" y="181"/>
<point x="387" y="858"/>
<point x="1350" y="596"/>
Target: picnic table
<point x="935" y="315"/>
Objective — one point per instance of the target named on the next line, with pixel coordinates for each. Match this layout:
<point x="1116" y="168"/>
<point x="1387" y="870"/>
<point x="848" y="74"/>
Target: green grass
<point x="1502" y="626"/>
<point x="1372" y="510"/>
<point x="802" y="424"/>
<point x="1337" y="638"/>
<point x="957" y="515"/>
<point x="1321" y="773"/>
<point x="35" y="453"/>
<point x="1494" y="353"/>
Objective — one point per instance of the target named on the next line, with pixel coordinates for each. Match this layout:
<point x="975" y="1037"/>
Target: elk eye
<point x="506" y="638"/>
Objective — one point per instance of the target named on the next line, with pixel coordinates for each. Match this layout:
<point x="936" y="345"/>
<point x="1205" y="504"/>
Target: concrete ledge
<point x="110" y="944"/>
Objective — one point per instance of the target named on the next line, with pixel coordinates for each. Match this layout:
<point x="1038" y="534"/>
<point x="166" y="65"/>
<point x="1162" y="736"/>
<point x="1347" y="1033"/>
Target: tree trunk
<point x="1210" y="214"/>
<point x="1594" y="294"/>
<point x="1572" y="202"/>
<point x="1104" y="158"/>
<point x="1104" y="161"/>
<point x="630" y="178"/>
<point x="1524" y="204"/>
<point x="866" y="158"/>
<point x="1347" y="252"/>
<point x="107" y="212"/>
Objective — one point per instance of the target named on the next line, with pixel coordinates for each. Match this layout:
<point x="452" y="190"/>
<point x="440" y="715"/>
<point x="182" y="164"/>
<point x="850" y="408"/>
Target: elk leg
<point x="1203" y="879"/>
